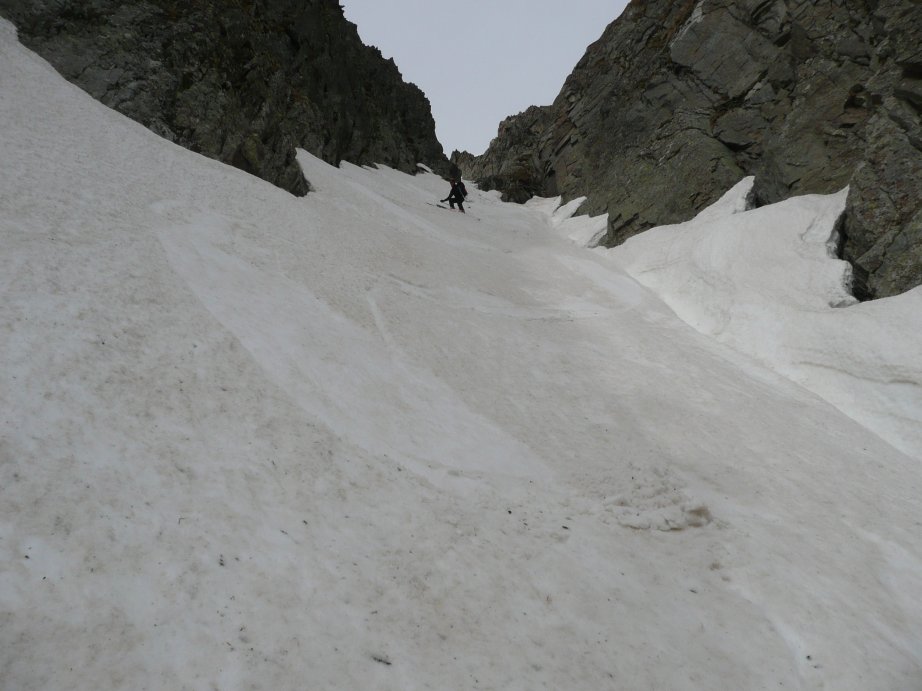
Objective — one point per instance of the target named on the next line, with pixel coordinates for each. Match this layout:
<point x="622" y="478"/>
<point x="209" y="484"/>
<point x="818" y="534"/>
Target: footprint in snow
<point x="655" y="499"/>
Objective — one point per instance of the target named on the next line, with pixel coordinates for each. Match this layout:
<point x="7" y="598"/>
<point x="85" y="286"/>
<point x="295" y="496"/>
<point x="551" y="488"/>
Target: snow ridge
<point x="768" y="283"/>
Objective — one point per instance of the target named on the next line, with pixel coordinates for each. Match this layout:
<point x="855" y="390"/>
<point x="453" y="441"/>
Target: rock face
<point x="242" y="81"/>
<point x="679" y="100"/>
<point x="513" y="162"/>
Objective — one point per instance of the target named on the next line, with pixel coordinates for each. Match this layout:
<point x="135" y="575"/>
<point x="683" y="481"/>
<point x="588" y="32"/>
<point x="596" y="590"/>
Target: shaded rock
<point x="722" y="51"/>
<point x="679" y="100"/>
<point x="740" y="129"/>
<point x="512" y="165"/>
<point x="241" y="81"/>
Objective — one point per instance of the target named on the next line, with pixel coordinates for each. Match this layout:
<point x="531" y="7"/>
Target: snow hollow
<point x="356" y="441"/>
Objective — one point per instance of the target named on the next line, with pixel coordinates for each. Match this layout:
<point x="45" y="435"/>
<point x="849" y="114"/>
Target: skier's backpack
<point x="462" y="189"/>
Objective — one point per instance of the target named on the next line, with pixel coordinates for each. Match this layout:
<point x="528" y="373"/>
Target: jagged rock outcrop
<point x="512" y="164"/>
<point x="679" y="100"/>
<point x="242" y="81"/>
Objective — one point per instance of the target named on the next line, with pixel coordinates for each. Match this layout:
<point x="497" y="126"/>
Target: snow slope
<point x="766" y="282"/>
<point x="355" y="441"/>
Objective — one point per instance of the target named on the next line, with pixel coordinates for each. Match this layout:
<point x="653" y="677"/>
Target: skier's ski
<point x="442" y="206"/>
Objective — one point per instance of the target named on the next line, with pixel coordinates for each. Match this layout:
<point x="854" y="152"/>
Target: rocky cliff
<point x="242" y="81"/>
<point x="679" y="100"/>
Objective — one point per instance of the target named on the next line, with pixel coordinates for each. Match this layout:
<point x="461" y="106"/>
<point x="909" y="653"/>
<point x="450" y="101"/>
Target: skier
<point x="457" y="194"/>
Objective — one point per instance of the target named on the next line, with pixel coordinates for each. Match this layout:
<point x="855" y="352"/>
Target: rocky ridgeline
<point x="678" y="100"/>
<point x="242" y="81"/>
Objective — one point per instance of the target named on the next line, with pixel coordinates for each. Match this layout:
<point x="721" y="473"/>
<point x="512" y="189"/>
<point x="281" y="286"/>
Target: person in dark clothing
<point x="457" y="194"/>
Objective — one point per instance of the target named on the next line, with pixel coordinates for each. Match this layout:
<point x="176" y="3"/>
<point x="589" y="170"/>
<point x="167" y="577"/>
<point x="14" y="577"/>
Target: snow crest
<point x="766" y="281"/>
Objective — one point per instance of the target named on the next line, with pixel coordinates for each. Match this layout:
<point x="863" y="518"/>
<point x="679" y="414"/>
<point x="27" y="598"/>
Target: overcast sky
<point x="480" y="61"/>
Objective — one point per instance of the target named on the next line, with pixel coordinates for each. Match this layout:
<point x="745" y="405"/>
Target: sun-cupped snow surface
<point x="356" y="441"/>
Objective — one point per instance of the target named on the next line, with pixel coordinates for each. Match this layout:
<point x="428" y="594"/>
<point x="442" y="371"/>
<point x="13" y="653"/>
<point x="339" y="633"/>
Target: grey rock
<point x="722" y="51"/>
<point x="512" y="167"/>
<point x="855" y="48"/>
<point x="678" y="100"/>
<point x="241" y="81"/>
<point x="741" y="128"/>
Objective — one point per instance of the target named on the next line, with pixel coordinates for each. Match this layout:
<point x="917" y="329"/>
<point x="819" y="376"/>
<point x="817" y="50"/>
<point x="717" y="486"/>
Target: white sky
<point x="480" y="61"/>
